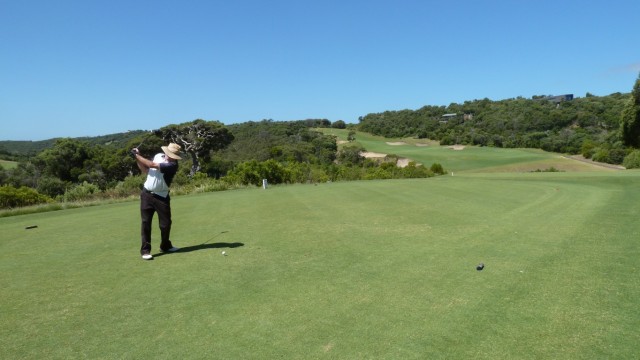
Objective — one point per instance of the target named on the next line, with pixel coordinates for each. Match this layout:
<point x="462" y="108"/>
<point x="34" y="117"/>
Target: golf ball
<point x="224" y="253"/>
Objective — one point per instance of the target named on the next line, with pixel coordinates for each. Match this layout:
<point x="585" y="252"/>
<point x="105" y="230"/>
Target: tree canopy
<point x="631" y="118"/>
<point x="197" y="138"/>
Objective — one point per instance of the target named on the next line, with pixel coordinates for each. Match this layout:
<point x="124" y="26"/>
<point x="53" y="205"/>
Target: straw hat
<point x="172" y="151"/>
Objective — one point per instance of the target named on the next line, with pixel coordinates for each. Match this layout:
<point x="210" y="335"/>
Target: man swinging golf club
<point x="155" y="196"/>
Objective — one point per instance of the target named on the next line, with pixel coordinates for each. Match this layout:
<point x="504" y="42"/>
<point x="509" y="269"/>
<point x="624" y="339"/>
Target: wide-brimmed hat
<point x="172" y="151"/>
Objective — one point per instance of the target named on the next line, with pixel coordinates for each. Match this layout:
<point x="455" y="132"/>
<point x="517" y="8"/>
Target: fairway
<point x="353" y="270"/>
<point x="472" y="159"/>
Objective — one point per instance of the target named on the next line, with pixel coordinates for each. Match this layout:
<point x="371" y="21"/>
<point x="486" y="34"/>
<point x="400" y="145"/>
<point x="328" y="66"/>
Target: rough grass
<point x="371" y="269"/>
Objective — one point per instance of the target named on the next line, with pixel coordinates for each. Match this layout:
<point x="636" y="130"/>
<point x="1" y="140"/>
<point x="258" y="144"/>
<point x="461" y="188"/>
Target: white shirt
<point x="155" y="180"/>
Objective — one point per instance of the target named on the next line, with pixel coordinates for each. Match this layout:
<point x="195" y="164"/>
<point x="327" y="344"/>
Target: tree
<point x="351" y="137"/>
<point x="197" y="138"/>
<point x="67" y="159"/>
<point x="631" y="118"/>
<point x="339" y="124"/>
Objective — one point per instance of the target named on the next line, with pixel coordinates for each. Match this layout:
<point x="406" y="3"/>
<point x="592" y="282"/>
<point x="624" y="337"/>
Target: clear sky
<point x="71" y="68"/>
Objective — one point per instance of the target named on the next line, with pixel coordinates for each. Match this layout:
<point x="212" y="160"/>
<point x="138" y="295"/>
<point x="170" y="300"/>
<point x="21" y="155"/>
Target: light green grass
<point x="357" y="270"/>
<point x="5" y="164"/>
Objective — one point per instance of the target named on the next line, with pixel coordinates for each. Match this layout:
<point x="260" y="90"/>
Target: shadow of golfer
<point x="219" y="245"/>
<point x="205" y="245"/>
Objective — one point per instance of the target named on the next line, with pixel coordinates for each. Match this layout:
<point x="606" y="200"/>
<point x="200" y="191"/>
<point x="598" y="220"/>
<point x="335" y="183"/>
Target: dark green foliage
<point x="551" y="169"/>
<point x="351" y="136"/>
<point x="351" y="155"/>
<point x="82" y="192"/>
<point x="631" y="118"/>
<point x="66" y="160"/>
<point x="21" y="150"/>
<point x="533" y="123"/>
<point x="436" y="168"/>
<point x="197" y="138"/>
<point x="51" y="186"/>
<point x="339" y="124"/>
<point x="253" y="172"/>
<point x="25" y="174"/>
<point x="632" y="161"/>
<point x="281" y="141"/>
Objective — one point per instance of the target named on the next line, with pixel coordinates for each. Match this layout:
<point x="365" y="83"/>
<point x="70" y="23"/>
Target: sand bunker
<point x="397" y="143"/>
<point x="402" y="162"/>
<point x="368" y="155"/>
<point x="457" y="147"/>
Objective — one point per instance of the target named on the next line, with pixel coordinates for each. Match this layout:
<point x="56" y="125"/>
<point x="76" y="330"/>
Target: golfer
<point x="155" y="196"/>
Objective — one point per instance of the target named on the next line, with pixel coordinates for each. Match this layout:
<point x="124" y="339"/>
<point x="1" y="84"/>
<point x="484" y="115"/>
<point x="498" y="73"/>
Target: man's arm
<point x="144" y="164"/>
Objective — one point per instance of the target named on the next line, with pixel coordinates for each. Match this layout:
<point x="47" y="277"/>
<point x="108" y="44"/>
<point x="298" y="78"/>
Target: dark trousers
<point x="150" y="204"/>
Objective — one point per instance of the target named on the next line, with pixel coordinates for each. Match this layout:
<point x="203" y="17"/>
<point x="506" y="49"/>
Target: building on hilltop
<point x="447" y="117"/>
<point x="453" y="116"/>
<point x="558" y="98"/>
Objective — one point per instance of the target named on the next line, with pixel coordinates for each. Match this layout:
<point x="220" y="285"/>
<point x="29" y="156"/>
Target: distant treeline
<point x="216" y="157"/>
<point x="588" y="124"/>
<point x="19" y="149"/>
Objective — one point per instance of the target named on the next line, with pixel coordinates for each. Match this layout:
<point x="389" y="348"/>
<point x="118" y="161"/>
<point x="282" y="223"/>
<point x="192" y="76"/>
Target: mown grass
<point x="370" y="269"/>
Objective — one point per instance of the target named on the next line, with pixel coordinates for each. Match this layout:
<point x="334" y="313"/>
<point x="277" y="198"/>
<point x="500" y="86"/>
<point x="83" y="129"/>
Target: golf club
<point x="131" y="153"/>
<point x="215" y="236"/>
<point x="144" y="139"/>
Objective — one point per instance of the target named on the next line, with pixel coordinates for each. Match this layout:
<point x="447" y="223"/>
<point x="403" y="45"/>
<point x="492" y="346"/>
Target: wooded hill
<point x="17" y="149"/>
<point x="588" y="125"/>
<point x="581" y="125"/>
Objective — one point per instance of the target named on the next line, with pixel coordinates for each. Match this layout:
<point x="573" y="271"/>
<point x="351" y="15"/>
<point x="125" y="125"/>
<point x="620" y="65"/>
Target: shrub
<point x="318" y="176"/>
<point x="550" y="169"/>
<point x="378" y="173"/>
<point x="412" y="171"/>
<point x="436" y="168"/>
<point x="51" y="186"/>
<point x="632" y="161"/>
<point x="11" y="197"/>
<point x="339" y="124"/>
<point x="588" y="149"/>
<point x="82" y="192"/>
<point x="131" y="185"/>
<point x="601" y="155"/>
<point x="350" y="155"/>
<point x="616" y="156"/>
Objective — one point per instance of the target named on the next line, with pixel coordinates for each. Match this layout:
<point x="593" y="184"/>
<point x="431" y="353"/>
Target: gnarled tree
<point x="197" y="138"/>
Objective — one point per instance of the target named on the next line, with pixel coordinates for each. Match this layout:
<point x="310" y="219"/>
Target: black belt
<point x="144" y="189"/>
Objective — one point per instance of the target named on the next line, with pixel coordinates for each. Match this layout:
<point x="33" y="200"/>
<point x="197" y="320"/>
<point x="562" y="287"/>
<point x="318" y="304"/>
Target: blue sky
<point x="89" y="67"/>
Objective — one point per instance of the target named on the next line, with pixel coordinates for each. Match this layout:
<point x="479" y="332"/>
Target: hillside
<point x="589" y="126"/>
<point x="16" y="149"/>
<point x="557" y="126"/>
